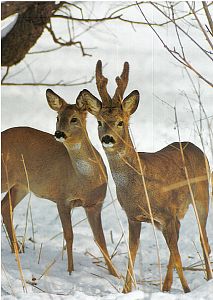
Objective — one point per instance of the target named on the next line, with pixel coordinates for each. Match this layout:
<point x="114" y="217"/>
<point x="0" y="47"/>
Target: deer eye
<point x="120" y="123"/>
<point x="73" y="120"/>
<point x="57" y="118"/>
<point x="99" y="123"/>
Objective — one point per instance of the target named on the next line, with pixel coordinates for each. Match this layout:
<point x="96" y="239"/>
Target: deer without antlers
<point x="71" y="173"/>
<point x="150" y="186"/>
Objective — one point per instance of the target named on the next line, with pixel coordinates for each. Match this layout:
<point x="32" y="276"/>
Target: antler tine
<point x="122" y="82"/>
<point x="101" y="83"/>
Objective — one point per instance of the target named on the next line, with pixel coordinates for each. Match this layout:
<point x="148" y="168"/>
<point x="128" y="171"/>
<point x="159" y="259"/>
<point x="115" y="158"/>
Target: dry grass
<point x="191" y="192"/>
<point x="24" y="286"/>
<point x="188" y="182"/>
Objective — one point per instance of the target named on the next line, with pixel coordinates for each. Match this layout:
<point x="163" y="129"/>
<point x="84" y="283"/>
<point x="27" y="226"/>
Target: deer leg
<point x="206" y="250"/>
<point x="11" y="199"/>
<point x="170" y="234"/>
<point x="94" y="218"/>
<point x="134" y="239"/>
<point x="65" y="217"/>
<point x="202" y="205"/>
<point x="169" y="275"/>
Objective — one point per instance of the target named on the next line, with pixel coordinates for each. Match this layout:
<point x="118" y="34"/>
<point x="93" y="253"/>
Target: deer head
<point x="71" y="119"/>
<point x="112" y="113"/>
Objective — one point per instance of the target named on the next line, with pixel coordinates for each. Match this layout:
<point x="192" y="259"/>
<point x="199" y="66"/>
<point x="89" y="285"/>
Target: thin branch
<point x="109" y="18"/>
<point x="181" y="29"/>
<point x="73" y="5"/>
<point x="69" y="43"/>
<point x="200" y="25"/>
<point x="86" y="20"/>
<point x="176" y="54"/>
<point x="5" y="75"/>
<point x="45" y="51"/>
<point x="60" y="83"/>
<point x="208" y="15"/>
<point x="177" y="33"/>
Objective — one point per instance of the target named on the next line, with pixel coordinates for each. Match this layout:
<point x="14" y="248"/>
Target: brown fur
<point x="164" y="176"/>
<point x="54" y="172"/>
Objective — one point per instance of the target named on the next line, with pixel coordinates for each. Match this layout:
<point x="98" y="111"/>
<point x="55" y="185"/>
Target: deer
<point x="150" y="187"/>
<point x="64" y="168"/>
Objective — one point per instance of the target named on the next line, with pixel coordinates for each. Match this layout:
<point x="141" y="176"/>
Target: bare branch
<point x="69" y="43"/>
<point x="5" y="75"/>
<point x="87" y="19"/>
<point x="45" y="51"/>
<point x="176" y="29"/>
<point x="181" y="29"/>
<point x="60" y="83"/>
<point x="174" y="53"/>
<point x="27" y="30"/>
<point x="209" y="18"/>
<point x="200" y="25"/>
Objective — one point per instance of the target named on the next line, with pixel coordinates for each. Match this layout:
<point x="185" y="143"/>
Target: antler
<point x="101" y="83"/>
<point x="121" y="84"/>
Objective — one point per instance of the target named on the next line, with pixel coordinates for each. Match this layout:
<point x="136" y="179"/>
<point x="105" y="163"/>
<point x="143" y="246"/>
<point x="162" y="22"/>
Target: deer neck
<point x="124" y="160"/>
<point x="84" y="157"/>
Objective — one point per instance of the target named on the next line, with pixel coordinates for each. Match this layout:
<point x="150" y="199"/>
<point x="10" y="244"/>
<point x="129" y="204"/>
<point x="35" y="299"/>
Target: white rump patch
<point x="120" y="178"/>
<point x="83" y="167"/>
<point x="110" y="145"/>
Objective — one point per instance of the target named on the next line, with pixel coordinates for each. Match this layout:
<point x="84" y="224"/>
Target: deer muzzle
<point x="107" y="141"/>
<point x="60" y="136"/>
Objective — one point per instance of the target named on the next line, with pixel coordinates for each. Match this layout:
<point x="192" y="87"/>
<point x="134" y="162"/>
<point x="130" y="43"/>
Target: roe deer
<point x="145" y="181"/>
<point x="71" y="173"/>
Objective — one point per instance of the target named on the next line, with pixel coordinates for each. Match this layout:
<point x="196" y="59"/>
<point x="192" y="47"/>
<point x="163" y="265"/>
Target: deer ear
<point x="55" y="102"/>
<point x="86" y="101"/>
<point x="130" y="103"/>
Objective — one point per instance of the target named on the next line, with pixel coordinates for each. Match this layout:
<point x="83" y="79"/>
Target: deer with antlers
<point x="70" y="173"/>
<point x="151" y="187"/>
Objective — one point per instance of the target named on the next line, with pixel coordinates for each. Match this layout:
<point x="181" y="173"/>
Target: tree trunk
<point x="30" y="25"/>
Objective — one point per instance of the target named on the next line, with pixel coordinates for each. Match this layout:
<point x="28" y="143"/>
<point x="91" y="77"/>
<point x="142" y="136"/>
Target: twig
<point x="28" y="206"/>
<point x="5" y="75"/>
<point x="48" y="268"/>
<point x="204" y="112"/>
<point x="208" y="15"/>
<point x="43" y="291"/>
<point x="191" y="194"/>
<point x="16" y="250"/>
<point x="47" y="84"/>
<point x="116" y="247"/>
<point x="33" y="232"/>
<point x="174" y="53"/>
<point x="69" y="43"/>
<point x="106" y="257"/>
<point x="107" y="281"/>
<point x="200" y="25"/>
<point x="150" y="215"/>
<point x="45" y="51"/>
<point x="181" y="29"/>
<point x="111" y="236"/>
<point x="39" y="256"/>
<point x="98" y="259"/>
<point x="6" y="233"/>
<point x="203" y="264"/>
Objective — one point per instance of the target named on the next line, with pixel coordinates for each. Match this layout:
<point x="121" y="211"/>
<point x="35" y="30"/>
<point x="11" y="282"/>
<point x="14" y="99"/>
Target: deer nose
<point x="107" y="139"/>
<point x="60" y="134"/>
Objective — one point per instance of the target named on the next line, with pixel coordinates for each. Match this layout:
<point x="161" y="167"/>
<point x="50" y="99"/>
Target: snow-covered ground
<point x="155" y="74"/>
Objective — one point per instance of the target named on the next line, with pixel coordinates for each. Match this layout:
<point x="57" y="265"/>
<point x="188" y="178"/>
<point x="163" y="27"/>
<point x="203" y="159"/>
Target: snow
<point x="8" y="24"/>
<point x="154" y="74"/>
